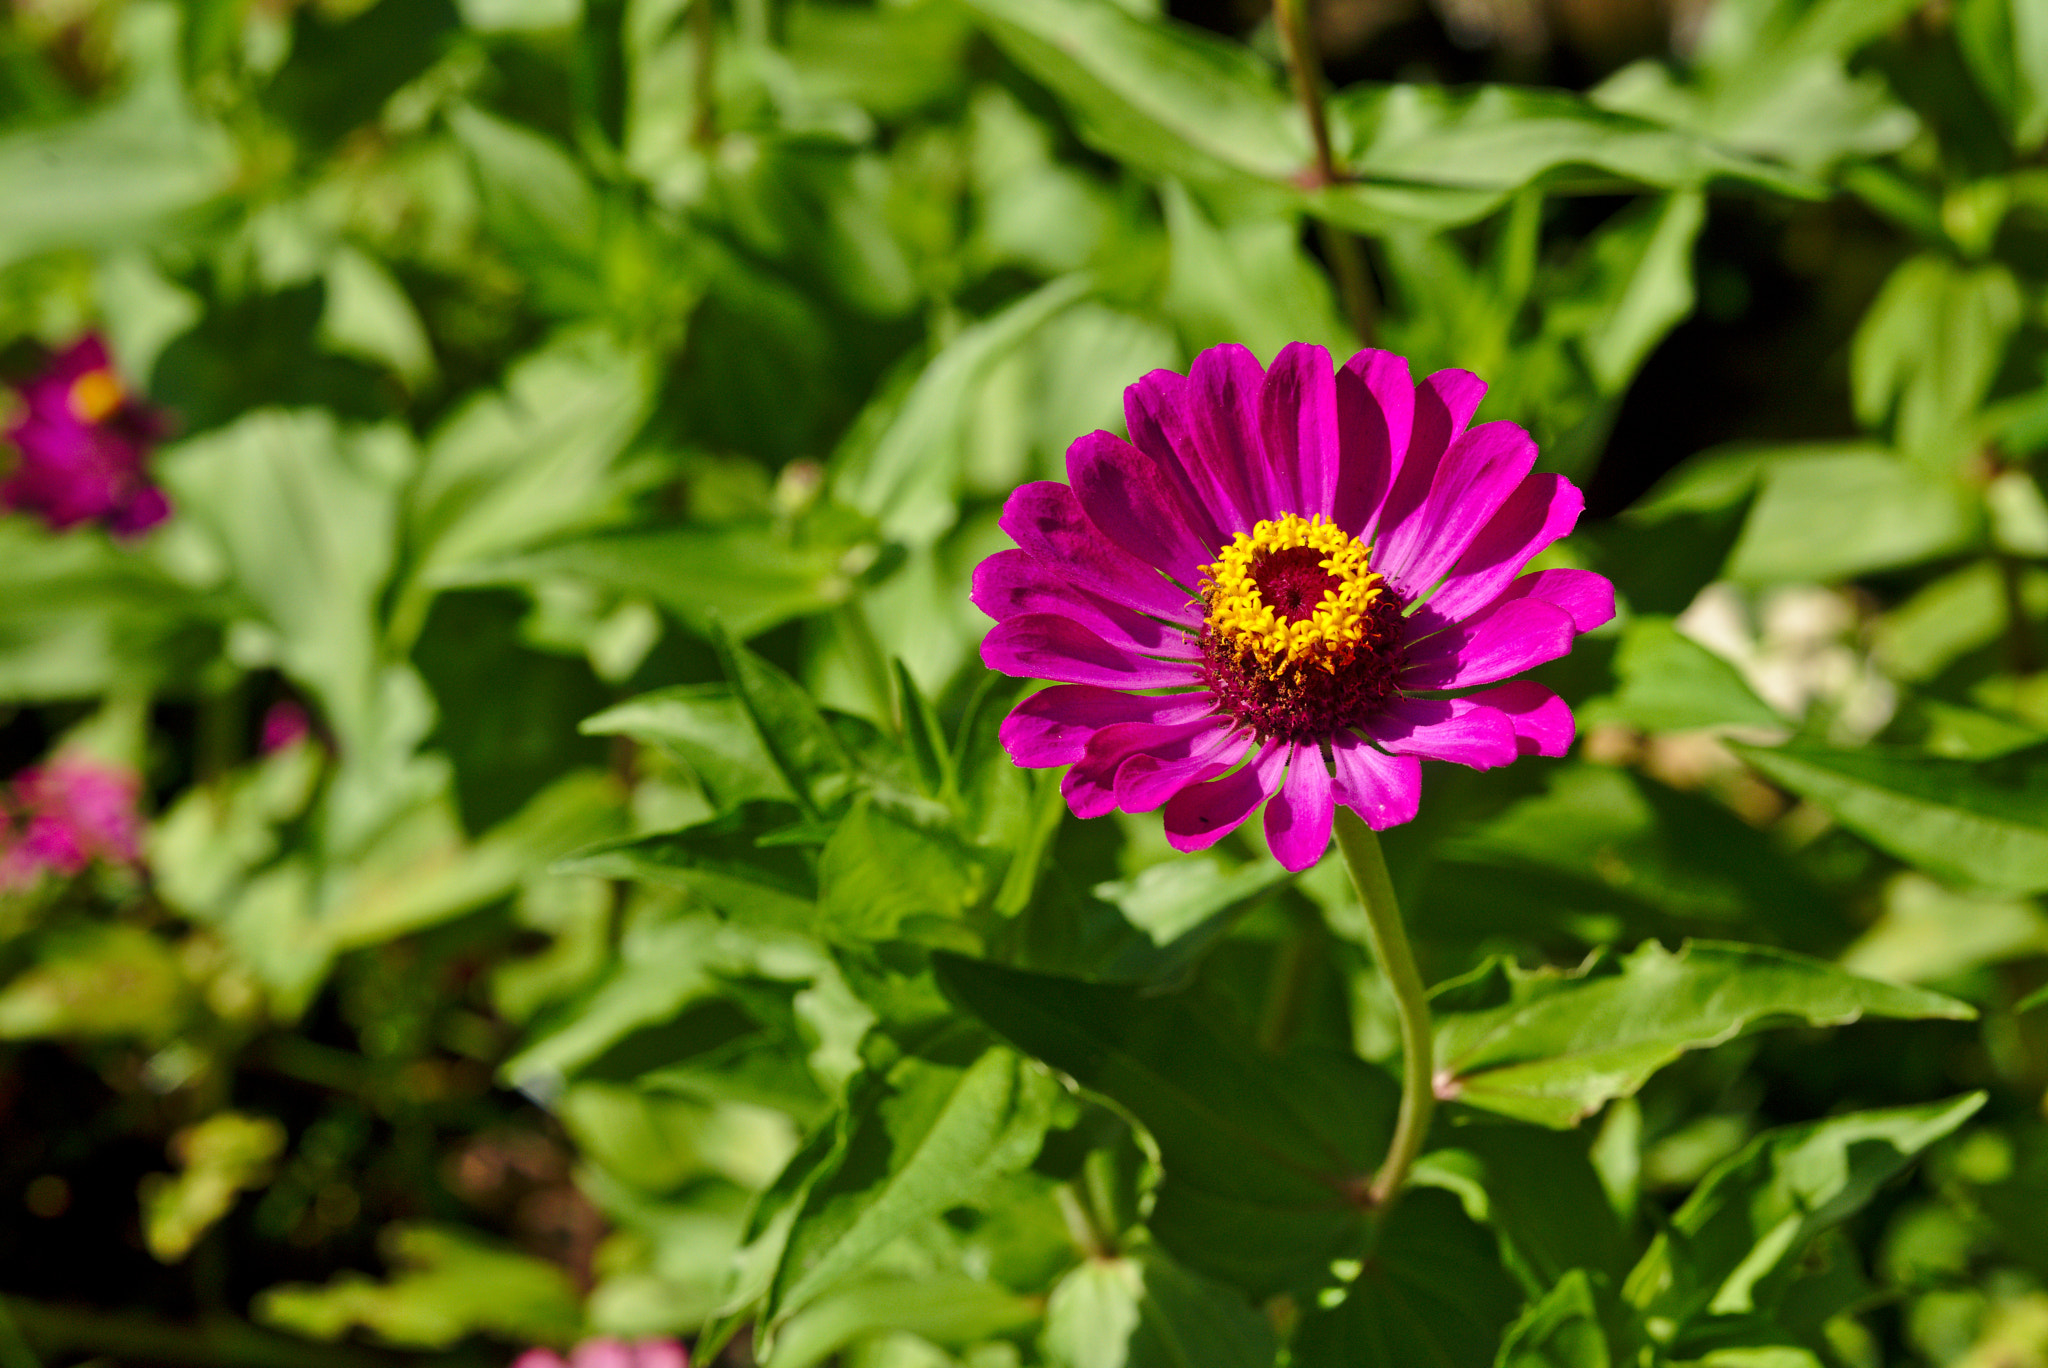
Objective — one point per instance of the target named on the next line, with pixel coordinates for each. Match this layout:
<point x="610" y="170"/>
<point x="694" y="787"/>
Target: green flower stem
<point x="1411" y="1001"/>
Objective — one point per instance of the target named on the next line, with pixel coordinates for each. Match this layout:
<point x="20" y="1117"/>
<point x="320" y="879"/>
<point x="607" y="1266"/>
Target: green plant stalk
<point x="1390" y="947"/>
<point x="1345" y="254"/>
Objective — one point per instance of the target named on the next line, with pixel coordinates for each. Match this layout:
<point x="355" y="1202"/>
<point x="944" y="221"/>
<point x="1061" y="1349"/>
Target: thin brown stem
<point x="1344" y="253"/>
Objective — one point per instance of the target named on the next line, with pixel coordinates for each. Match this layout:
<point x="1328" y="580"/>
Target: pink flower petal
<point x="1053" y="726"/>
<point x="1200" y="815"/>
<point x="1155" y="412"/>
<point x="1298" y="817"/>
<point x="1375" y="409"/>
<point x="1090" y="786"/>
<point x="1588" y="597"/>
<point x="1046" y="520"/>
<point x="539" y="1358"/>
<point x="663" y="1353"/>
<point x="1443" y="404"/>
<point x="1384" y="790"/>
<point x="1475" y="478"/>
<point x="603" y="1353"/>
<point x="1202" y="751"/>
<point x="1512" y="636"/>
<point x="1133" y="503"/>
<point x="1542" y="721"/>
<point x="1454" y="729"/>
<point x="1229" y="459"/>
<point x="1542" y="509"/>
<point x="1055" y="647"/>
<point x="1013" y="584"/>
<point x="1298" y="415"/>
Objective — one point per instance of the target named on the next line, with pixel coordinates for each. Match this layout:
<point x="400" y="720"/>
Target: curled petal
<point x="1489" y="646"/>
<point x="1298" y="817"/>
<point x="1200" y="815"/>
<point x="1135" y="505"/>
<point x="1195" y="753"/>
<point x="1588" y="597"/>
<point x="1542" y="721"/>
<point x="1541" y="509"/>
<point x="1054" y="726"/>
<point x="1384" y="790"/>
<point x="1298" y="414"/>
<point x="1455" y="729"/>
<point x="1046" y="520"/>
<point x="1013" y="584"/>
<point x="1055" y="647"/>
<point x="1475" y="478"/>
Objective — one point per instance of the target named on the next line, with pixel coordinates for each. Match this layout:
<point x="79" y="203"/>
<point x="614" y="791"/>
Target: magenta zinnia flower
<point x="83" y="442"/>
<point x="1287" y="588"/>
<point x="60" y="817"/>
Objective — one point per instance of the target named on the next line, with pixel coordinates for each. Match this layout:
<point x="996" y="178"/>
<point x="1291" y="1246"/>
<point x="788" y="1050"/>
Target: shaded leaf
<point x="1978" y="822"/>
<point x="1553" y="1048"/>
<point x="1143" y="1311"/>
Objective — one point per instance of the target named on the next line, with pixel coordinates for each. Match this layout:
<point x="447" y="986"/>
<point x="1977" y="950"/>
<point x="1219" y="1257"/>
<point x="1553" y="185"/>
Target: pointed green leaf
<point x="1553" y="1048"/>
<point x="1262" y="1154"/>
<point x="1432" y="1293"/>
<point x="1736" y="1242"/>
<point x="1144" y="1311"/>
<point x="706" y="728"/>
<point x="1978" y="822"/>
<point x="925" y="1139"/>
<point x="814" y="762"/>
<point x="722" y="862"/>
<point x="1669" y="682"/>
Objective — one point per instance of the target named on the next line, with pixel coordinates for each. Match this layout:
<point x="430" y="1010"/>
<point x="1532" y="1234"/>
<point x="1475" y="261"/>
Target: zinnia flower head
<point x="1289" y="587"/>
<point x="62" y="816"/>
<point x="83" y="441"/>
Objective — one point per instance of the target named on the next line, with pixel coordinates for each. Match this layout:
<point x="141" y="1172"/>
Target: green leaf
<point x="1433" y="1292"/>
<point x="94" y="979"/>
<point x="1975" y="822"/>
<point x="1166" y="97"/>
<point x="1259" y="1152"/>
<point x="1638" y="286"/>
<point x="1735" y="1244"/>
<point x="1174" y="911"/>
<point x="927" y="1137"/>
<point x="1248" y="281"/>
<point x="218" y="1159"/>
<point x="1537" y="1189"/>
<point x="1928" y="932"/>
<point x="1554" y="1047"/>
<point x="532" y="462"/>
<point x="449" y="1285"/>
<point x="1670" y="682"/>
<point x="924" y="735"/>
<point x="1565" y="1328"/>
<point x="124" y="173"/>
<point x="1829" y="512"/>
<point x="723" y="862"/>
<point x="537" y="203"/>
<point x="2037" y="998"/>
<point x="882" y="877"/>
<point x="814" y="762"/>
<point x="2006" y="45"/>
<point x="1772" y="79"/>
<point x="709" y="731"/>
<point x="1927" y="352"/>
<point x="904" y="468"/>
<point x="749" y="575"/>
<point x="952" y="1310"/>
<point x="1144" y="1311"/>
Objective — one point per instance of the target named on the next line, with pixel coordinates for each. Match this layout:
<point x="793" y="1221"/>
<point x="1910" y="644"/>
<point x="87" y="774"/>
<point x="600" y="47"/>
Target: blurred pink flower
<point x="61" y="816"/>
<point x="284" y="723"/>
<point x="83" y="441"/>
<point x="610" y="1353"/>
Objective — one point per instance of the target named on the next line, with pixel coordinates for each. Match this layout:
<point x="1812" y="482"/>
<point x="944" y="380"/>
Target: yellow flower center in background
<point x="1293" y="591"/>
<point x="95" y="395"/>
